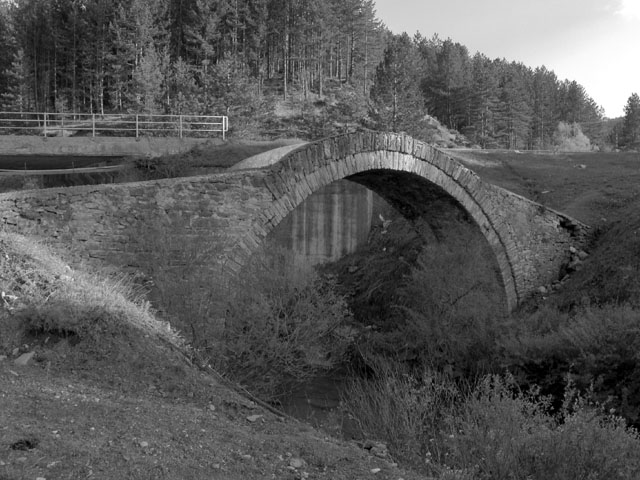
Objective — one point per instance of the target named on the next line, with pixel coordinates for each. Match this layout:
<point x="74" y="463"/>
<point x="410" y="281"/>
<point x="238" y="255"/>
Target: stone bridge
<point x="237" y="210"/>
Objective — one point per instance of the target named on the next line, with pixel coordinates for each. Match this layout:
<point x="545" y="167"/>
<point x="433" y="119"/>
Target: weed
<point x="401" y="408"/>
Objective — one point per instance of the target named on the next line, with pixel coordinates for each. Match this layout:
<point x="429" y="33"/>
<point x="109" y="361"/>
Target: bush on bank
<point x="283" y="326"/>
<point x="492" y="431"/>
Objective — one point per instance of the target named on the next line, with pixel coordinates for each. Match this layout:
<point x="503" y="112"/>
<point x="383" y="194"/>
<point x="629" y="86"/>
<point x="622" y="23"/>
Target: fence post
<point x="45" y="124"/>
<point x="93" y="125"/>
<point x="180" y="126"/>
<point x="225" y="126"/>
<point x="136" y="125"/>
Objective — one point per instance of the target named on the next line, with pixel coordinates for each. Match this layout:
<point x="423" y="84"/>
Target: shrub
<point x="283" y="325"/>
<point x="597" y="347"/>
<point x="494" y="431"/>
<point x="446" y="312"/>
<point x="502" y="433"/>
<point x="168" y="166"/>
<point x="569" y="138"/>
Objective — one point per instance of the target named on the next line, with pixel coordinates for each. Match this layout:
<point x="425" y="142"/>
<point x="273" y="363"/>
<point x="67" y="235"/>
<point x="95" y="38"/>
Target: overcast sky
<point x="595" y="42"/>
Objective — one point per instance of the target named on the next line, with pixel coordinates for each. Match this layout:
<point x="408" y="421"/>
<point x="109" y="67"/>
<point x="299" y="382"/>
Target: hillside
<point x="113" y="392"/>
<point x="592" y="187"/>
<point x="108" y="391"/>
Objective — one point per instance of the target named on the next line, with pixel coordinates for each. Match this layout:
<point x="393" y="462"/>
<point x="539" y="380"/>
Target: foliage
<point x="596" y="347"/>
<point x="438" y="308"/>
<point x="241" y="57"/>
<point x="631" y="122"/>
<point x="569" y="138"/>
<point x="398" y="103"/>
<point x="168" y="166"/>
<point x="271" y="328"/>
<point x="282" y="326"/>
<point x="492" y="431"/>
<point x="503" y="433"/>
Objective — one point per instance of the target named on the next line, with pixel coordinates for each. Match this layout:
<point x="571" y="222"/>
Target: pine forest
<point x="332" y="64"/>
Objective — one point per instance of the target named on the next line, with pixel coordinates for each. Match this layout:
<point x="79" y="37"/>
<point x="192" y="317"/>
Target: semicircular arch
<point x="310" y="167"/>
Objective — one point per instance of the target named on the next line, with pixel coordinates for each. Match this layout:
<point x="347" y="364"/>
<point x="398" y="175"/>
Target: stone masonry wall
<point x="118" y="224"/>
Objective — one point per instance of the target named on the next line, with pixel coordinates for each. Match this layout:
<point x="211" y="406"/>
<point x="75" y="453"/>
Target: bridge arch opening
<point x="422" y="183"/>
<point x="343" y="221"/>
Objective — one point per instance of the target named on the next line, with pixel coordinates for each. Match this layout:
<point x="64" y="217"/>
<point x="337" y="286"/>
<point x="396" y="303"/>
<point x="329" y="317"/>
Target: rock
<point x="144" y="444"/>
<point x="573" y="250"/>
<point x="296" y="463"/>
<point x="254" y="418"/>
<point x="15" y="352"/>
<point x="380" y="450"/>
<point x="24" y="359"/>
<point x="543" y="290"/>
<point x="569" y="223"/>
<point x="375" y="470"/>
<point x="574" y="265"/>
<point x="212" y="408"/>
<point x="582" y="255"/>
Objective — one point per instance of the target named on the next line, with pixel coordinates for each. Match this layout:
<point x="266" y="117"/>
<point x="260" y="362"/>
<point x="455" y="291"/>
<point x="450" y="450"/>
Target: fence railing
<point x="127" y="125"/>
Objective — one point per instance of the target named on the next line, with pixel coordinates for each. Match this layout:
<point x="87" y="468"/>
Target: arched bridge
<point x="238" y="209"/>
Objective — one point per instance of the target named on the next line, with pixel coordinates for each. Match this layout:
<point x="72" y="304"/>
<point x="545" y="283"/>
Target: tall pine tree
<point x="631" y="122"/>
<point x="397" y="98"/>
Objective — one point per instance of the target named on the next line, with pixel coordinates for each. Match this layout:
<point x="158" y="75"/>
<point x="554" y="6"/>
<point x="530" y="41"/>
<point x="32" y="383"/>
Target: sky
<point x="594" y="42"/>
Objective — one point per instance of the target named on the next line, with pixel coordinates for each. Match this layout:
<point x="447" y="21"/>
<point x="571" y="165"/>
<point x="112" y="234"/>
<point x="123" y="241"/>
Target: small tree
<point x="229" y="89"/>
<point x="569" y="138"/>
<point x="631" y="123"/>
<point x="148" y="81"/>
<point x="183" y="96"/>
<point x="17" y="95"/>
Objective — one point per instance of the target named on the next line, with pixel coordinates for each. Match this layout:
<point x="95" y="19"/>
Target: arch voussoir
<point x="313" y="166"/>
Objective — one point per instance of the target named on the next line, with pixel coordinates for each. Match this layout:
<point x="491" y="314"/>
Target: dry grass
<point x="52" y="298"/>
